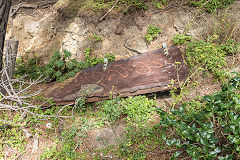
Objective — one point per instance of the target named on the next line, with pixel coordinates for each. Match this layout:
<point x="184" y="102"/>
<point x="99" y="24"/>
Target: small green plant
<point x="139" y="4"/>
<point x="98" y="5"/>
<point x="65" y="147"/>
<point x="211" y="5"/>
<point x="152" y="33"/>
<point x="135" y="4"/>
<point x="195" y="127"/>
<point x="70" y="139"/>
<point x="208" y="56"/>
<point x="180" y="39"/>
<point x="231" y="46"/>
<point x="138" y="113"/>
<point x="80" y="103"/>
<point x="92" y="61"/>
<point x="112" y="109"/>
<point x="97" y="38"/>
<point x="28" y="66"/>
<point x="61" y="67"/>
<point x="11" y="137"/>
<point x="137" y="110"/>
<point x="159" y="3"/>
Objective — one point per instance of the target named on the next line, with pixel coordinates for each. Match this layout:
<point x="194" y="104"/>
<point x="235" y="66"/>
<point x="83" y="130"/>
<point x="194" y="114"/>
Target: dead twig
<point x="101" y="19"/>
<point x="17" y="98"/>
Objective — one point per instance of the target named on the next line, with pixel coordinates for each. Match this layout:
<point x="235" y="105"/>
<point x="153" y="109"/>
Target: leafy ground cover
<point x="203" y="128"/>
<point x="208" y="127"/>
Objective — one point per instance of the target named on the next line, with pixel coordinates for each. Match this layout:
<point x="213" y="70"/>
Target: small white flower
<point x="49" y="125"/>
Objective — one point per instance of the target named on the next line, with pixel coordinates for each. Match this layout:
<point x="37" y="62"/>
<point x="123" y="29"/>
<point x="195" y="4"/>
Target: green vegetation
<point x="208" y="5"/>
<point x="152" y="33"/>
<point x="28" y="66"/>
<point x="193" y="128"/>
<point x="206" y="128"/>
<point x="138" y="113"/>
<point x="11" y="137"/>
<point x="112" y="109"/>
<point x="67" y="143"/>
<point x="231" y="46"/>
<point x="127" y="6"/>
<point x="92" y="61"/>
<point x="211" y="5"/>
<point x="159" y="4"/>
<point x="137" y="110"/>
<point x="97" y="38"/>
<point x="208" y="56"/>
<point x="136" y="4"/>
<point x="181" y="39"/>
<point x="60" y="67"/>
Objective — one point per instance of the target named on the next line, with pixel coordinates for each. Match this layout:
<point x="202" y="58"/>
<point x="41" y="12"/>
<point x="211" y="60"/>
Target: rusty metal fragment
<point x="146" y="73"/>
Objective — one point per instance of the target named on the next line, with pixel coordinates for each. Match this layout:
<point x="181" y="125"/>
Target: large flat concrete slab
<point x="140" y="74"/>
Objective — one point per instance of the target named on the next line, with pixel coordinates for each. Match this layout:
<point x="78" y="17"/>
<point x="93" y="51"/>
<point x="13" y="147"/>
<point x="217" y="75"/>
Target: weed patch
<point x="66" y="145"/>
<point x="11" y="138"/>
<point x="152" y="33"/>
<point x="198" y="125"/>
<point x="60" y="67"/>
<point x="211" y="5"/>
<point x="28" y="66"/>
<point x="181" y="39"/>
<point x="92" y="61"/>
<point x="137" y="110"/>
<point x="209" y="56"/>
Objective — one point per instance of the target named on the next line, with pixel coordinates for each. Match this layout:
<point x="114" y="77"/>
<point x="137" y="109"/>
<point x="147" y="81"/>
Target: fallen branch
<point x="101" y="19"/>
<point x="30" y="6"/>
<point x="17" y="98"/>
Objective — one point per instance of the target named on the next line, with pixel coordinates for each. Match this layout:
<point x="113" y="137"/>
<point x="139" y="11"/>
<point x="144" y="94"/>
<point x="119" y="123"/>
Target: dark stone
<point x="146" y="73"/>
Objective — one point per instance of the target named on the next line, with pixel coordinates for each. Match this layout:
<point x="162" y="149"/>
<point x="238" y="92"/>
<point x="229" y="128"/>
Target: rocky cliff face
<point x="42" y="31"/>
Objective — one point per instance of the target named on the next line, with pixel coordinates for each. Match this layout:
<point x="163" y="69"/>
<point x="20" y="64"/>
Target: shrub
<point x="180" y="39"/>
<point x="137" y="109"/>
<point x="207" y="55"/>
<point x="159" y="4"/>
<point x="208" y="128"/>
<point x="152" y="33"/>
<point x="211" y="5"/>
<point x="28" y="66"/>
<point x="61" y="67"/>
<point x="112" y="109"/>
<point x="231" y="46"/>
